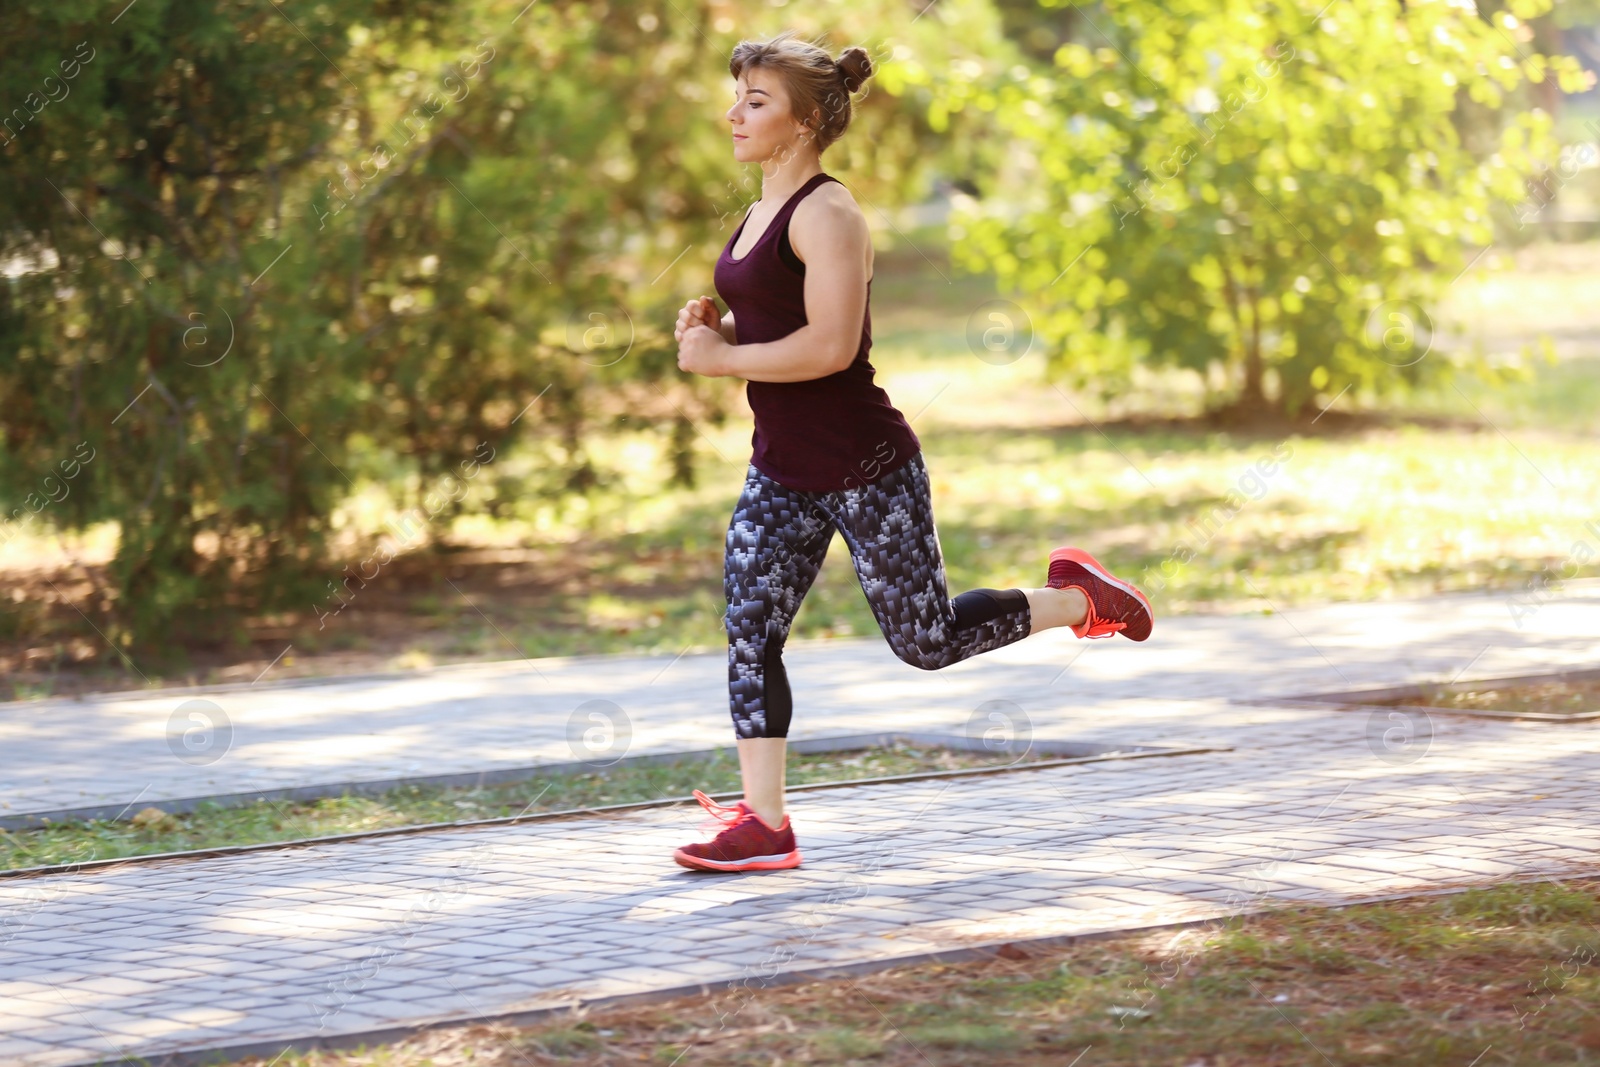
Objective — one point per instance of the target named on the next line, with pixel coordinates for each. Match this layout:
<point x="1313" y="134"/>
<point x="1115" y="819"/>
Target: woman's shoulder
<point x="829" y="196"/>
<point x="830" y="206"/>
<point x="828" y="217"/>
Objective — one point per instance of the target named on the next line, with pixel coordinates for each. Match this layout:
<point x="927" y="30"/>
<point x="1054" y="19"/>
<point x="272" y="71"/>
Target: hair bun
<point x="855" y="66"/>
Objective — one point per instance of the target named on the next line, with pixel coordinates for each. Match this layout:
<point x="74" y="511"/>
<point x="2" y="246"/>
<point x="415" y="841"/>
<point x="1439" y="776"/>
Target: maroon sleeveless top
<point x="835" y="432"/>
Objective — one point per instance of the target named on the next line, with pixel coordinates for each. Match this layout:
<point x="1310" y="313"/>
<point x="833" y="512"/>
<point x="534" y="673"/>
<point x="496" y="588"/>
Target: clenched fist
<point x="702" y="312"/>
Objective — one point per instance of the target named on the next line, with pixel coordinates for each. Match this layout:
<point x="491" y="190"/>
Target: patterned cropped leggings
<point x="775" y="545"/>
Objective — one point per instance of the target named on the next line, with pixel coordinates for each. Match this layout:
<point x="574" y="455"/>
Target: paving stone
<point x="111" y="986"/>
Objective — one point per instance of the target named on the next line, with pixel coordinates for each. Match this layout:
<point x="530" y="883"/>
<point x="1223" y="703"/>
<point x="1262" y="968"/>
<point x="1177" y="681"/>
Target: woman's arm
<point x="726" y="329"/>
<point x="796" y="357"/>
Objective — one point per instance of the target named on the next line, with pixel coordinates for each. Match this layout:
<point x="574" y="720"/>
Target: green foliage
<point x="1252" y="192"/>
<point x="258" y="255"/>
<point x="147" y="312"/>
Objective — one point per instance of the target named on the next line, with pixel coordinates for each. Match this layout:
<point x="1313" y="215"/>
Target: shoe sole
<point x="1095" y="567"/>
<point x="759" y="863"/>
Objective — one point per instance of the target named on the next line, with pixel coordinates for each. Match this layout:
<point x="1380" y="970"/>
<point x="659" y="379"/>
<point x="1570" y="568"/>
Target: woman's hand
<point x="702" y="312"/>
<point x="703" y="350"/>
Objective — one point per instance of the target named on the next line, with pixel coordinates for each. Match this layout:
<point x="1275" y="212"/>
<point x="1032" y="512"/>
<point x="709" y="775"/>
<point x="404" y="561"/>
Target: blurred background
<point x="338" y="336"/>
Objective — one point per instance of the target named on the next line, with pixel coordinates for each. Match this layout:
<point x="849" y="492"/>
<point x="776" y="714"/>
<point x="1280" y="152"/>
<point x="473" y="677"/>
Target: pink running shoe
<point x="1113" y="603"/>
<point x="746" y="842"/>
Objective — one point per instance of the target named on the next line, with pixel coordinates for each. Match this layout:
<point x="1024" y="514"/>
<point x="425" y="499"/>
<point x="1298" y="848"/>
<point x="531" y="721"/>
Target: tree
<point x="258" y="256"/>
<point x="1277" y="191"/>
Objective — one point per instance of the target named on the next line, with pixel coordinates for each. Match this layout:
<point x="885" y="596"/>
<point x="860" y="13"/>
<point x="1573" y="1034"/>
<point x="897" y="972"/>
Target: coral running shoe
<point x="1114" y="605"/>
<point x="746" y="842"/>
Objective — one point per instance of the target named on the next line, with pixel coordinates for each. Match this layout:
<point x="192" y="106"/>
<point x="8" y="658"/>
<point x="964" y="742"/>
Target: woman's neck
<point x="782" y="185"/>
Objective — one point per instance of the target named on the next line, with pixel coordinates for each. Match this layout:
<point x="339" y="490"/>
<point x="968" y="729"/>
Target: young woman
<point x="830" y="452"/>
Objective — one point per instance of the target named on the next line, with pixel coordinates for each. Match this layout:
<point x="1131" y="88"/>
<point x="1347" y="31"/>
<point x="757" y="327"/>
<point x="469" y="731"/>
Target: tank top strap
<point x="782" y="218"/>
<point x="780" y="223"/>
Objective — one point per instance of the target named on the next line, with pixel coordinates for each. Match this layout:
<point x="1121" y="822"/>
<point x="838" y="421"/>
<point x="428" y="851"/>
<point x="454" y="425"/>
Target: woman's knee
<point x="919" y="658"/>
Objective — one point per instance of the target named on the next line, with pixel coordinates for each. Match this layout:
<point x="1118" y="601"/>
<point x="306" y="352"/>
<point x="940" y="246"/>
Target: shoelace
<point x="728" y="815"/>
<point x="1094" y="625"/>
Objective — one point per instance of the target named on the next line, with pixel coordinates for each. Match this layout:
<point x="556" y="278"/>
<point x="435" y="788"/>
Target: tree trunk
<point x="1251" y="398"/>
<point x="682" y="452"/>
<point x="1547" y="39"/>
<point x="1254" y="396"/>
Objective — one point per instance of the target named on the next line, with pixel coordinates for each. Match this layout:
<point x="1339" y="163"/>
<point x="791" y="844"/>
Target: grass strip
<point x="1555" y="697"/>
<point x="1494" y="977"/>
<point x="152" y="830"/>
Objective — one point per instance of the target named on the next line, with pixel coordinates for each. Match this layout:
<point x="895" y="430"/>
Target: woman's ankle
<point x="1051" y="607"/>
<point x="767" y="815"/>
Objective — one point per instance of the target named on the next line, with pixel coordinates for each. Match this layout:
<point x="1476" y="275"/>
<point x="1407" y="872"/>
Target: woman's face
<point x="763" y="127"/>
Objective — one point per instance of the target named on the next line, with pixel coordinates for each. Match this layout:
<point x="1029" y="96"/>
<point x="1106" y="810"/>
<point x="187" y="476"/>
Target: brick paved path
<point x="115" y="749"/>
<point x="250" y="952"/>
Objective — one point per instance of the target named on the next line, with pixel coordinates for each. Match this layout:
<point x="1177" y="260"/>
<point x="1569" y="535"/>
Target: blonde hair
<point x="814" y="79"/>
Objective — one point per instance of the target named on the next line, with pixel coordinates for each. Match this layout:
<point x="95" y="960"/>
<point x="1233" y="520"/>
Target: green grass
<point x="1499" y="977"/>
<point x="152" y="830"/>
